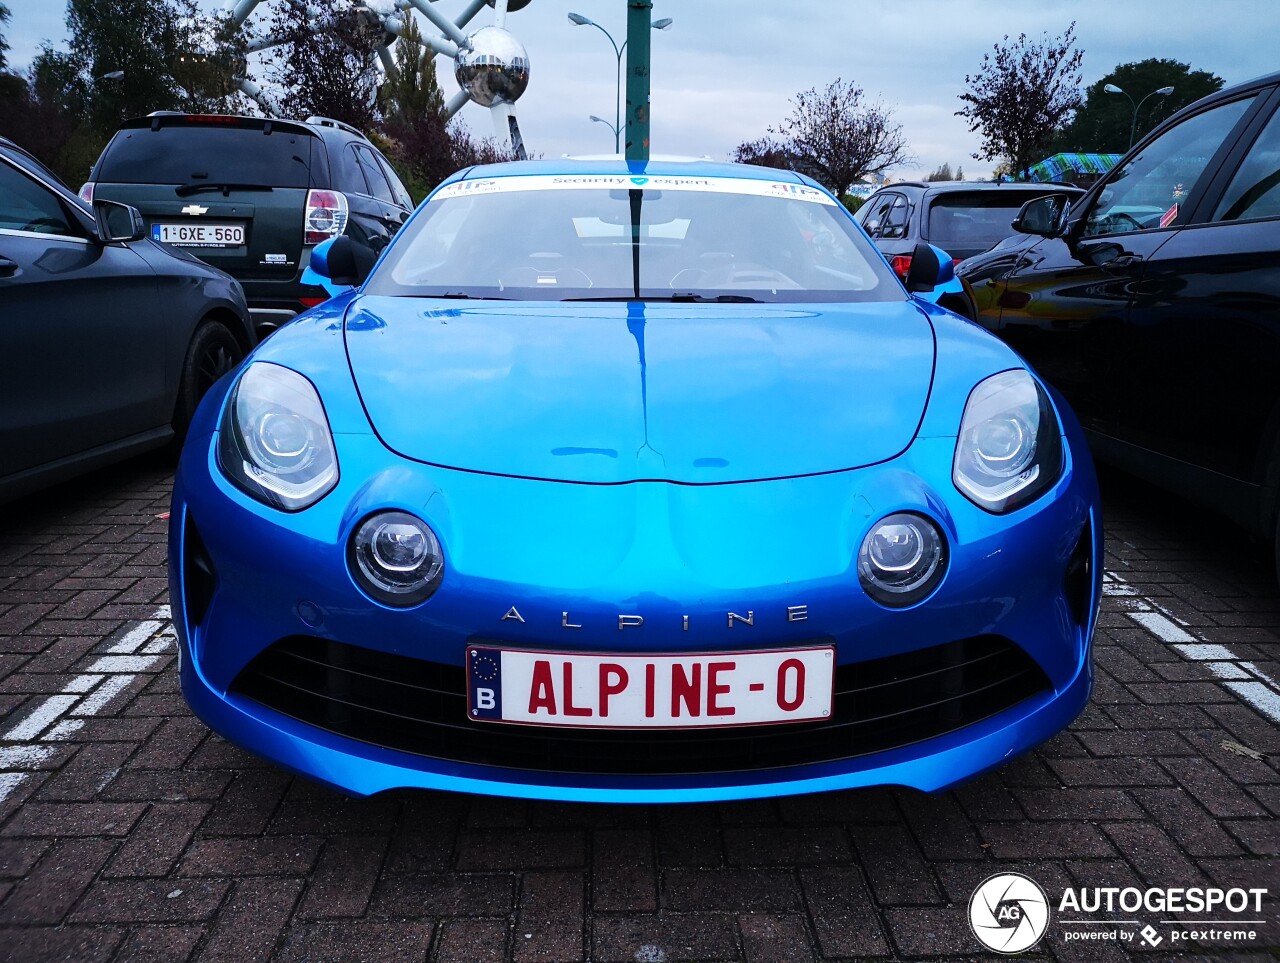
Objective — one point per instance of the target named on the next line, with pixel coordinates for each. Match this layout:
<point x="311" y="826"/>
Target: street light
<point x="578" y="20"/>
<point x="1133" y="128"/>
<point x="113" y="75"/>
<point x="601" y="120"/>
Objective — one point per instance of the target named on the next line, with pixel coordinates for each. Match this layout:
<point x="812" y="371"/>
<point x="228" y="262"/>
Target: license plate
<point x="646" y="691"/>
<point x="199" y="235"/>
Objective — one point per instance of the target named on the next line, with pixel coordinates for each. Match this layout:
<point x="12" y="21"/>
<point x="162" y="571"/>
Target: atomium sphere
<point x="495" y="68"/>
<point x="514" y="5"/>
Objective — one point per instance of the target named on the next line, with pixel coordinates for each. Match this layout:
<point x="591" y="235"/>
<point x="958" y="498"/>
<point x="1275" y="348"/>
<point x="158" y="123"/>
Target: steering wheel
<point x="39" y="222"/>
<point x="1115" y="222"/>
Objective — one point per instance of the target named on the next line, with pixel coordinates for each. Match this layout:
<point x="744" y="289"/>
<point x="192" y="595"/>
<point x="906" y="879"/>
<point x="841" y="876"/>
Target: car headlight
<point x="1009" y="449"/>
<point x="396" y="558"/>
<point x="902" y="559"/>
<point x="274" y="441"/>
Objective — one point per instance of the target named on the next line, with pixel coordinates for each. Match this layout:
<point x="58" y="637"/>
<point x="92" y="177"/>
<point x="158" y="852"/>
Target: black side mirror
<point x="1044" y="216"/>
<point x="344" y="261"/>
<point x="118" y="222"/>
<point x="924" y="271"/>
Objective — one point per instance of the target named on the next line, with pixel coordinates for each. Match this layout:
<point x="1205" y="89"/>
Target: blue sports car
<point x="634" y="484"/>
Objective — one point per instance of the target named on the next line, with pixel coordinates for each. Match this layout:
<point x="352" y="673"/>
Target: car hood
<point x="615" y="392"/>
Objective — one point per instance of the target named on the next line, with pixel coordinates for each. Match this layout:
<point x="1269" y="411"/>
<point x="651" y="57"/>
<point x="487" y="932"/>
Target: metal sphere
<point x="494" y="69"/>
<point x="514" y="5"/>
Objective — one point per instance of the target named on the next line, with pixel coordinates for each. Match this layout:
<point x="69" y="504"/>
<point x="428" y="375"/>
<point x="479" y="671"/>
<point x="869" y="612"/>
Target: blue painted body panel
<point x="604" y="392"/>
<point x="826" y="418"/>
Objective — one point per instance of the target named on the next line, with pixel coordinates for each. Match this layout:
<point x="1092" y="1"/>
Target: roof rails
<point x="166" y="113"/>
<point x="330" y="122"/>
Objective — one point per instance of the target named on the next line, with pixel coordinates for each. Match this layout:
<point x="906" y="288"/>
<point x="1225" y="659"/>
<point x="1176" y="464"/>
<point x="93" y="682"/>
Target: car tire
<point x="213" y="352"/>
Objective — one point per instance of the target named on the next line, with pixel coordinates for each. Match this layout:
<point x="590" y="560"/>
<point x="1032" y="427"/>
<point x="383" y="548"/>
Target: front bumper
<point x="692" y="550"/>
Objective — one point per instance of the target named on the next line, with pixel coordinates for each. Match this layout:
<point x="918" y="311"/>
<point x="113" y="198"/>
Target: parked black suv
<point x="253" y="195"/>
<point x="1153" y="303"/>
<point x="963" y="218"/>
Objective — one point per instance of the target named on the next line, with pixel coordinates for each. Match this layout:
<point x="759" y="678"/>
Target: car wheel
<point x="213" y="352"/>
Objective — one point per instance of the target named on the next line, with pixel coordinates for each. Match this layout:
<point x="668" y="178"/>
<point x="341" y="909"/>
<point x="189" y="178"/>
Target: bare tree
<point x="1020" y="96"/>
<point x="835" y="136"/>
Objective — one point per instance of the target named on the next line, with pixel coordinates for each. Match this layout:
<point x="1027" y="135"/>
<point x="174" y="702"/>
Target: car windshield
<point x="617" y="237"/>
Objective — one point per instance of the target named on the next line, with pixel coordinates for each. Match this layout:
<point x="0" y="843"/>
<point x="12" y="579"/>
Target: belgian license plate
<point x="646" y="691"/>
<point x="199" y="235"/>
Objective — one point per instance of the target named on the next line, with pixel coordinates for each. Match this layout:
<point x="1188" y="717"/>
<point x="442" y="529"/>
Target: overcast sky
<point x="726" y="69"/>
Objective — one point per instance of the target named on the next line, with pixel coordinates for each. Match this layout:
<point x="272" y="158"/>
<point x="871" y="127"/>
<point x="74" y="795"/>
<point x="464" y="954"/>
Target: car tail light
<point x="312" y="302"/>
<point x="86" y="192"/>
<point x="325" y="217"/>
<point x="956" y="260"/>
<point x="901" y="264"/>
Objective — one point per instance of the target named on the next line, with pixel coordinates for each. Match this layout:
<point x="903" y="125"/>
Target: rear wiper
<point x="189" y="189"/>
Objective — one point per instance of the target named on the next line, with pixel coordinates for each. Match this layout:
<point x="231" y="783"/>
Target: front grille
<point x="421" y="707"/>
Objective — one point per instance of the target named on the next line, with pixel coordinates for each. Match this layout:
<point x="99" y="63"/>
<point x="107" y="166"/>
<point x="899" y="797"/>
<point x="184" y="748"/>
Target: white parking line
<point x="58" y="717"/>
<point x="1241" y="677"/>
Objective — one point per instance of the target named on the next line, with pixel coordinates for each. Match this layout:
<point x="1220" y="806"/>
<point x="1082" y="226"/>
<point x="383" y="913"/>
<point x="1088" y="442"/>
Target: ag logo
<point x="1008" y="913"/>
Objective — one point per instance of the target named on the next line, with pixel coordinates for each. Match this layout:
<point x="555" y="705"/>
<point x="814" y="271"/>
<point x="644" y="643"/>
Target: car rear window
<point x="976" y="219"/>
<point x="220" y="154"/>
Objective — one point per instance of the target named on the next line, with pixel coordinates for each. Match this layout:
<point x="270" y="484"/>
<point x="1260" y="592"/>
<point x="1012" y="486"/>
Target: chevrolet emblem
<point x="195" y="209"/>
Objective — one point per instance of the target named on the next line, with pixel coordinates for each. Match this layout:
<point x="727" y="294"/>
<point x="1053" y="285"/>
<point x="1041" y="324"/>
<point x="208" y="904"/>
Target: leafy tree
<point x="1103" y="122"/>
<point x="329" y="65"/>
<point x="412" y="90"/>
<point x="1021" y="94"/>
<point x="12" y="86"/>
<point x="4" y="44"/>
<point x="425" y="145"/>
<point x="834" y="136"/>
<point x="124" y="58"/>
<point x="942" y="173"/>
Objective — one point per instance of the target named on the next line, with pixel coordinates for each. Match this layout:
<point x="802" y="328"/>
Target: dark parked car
<point x="963" y="218"/>
<point x="107" y="339"/>
<point x="253" y="196"/>
<point x="1153" y="303"/>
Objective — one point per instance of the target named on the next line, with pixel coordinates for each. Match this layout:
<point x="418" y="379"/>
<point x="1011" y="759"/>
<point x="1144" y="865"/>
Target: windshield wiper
<point x="685" y="296"/>
<point x="460" y="296"/>
<point x="712" y="299"/>
<point x="189" y="189"/>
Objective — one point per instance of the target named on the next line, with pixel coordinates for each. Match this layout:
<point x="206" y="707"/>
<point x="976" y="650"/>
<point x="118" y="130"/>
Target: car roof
<point x="324" y="127"/>
<point x="950" y="187"/>
<point x="611" y="164"/>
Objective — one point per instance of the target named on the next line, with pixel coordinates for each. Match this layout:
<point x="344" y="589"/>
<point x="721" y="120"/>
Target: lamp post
<point x="579" y="20"/>
<point x="1133" y="128"/>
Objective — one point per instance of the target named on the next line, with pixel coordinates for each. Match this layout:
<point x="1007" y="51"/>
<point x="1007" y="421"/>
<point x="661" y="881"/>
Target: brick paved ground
<point x="129" y="832"/>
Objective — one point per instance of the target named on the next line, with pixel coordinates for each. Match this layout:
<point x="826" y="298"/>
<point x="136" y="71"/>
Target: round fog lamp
<point x="902" y="559"/>
<point x="396" y="558"/>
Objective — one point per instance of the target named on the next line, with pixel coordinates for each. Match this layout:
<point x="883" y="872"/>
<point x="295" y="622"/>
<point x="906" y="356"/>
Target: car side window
<point x="378" y="185"/>
<point x="397" y="186"/>
<point x="1254" y="192"/>
<point x="1149" y="191"/>
<point x="888" y="216"/>
<point x="28" y="206"/>
<point x="350" y="174"/>
<point x="895" y="223"/>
